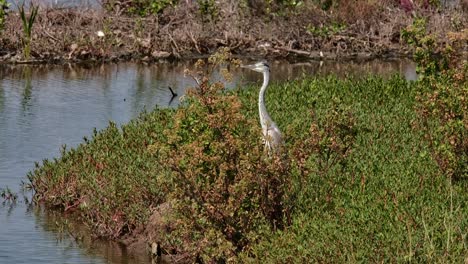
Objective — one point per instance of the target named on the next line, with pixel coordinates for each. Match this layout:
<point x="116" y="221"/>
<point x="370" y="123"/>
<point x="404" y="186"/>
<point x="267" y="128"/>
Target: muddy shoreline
<point x="91" y="35"/>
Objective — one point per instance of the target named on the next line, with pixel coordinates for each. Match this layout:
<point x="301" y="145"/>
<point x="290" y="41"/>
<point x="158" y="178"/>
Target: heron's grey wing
<point x="273" y="137"/>
<point x="277" y="136"/>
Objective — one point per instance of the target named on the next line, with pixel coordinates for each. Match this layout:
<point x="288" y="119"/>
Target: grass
<point x="384" y="199"/>
<point x="389" y="203"/>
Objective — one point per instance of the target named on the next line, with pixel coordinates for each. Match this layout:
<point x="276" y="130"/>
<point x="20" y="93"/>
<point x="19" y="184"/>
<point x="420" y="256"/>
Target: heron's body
<point x="271" y="133"/>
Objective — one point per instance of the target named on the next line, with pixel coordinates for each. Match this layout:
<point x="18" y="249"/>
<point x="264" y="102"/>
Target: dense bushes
<point x="110" y="180"/>
<point x="442" y="101"/>
<point x="223" y="187"/>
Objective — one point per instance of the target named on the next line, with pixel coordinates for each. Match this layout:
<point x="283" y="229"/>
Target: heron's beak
<point x="253" y="67"/>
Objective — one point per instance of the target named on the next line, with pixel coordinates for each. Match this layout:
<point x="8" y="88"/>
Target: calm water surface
<point x="44" y="107"/>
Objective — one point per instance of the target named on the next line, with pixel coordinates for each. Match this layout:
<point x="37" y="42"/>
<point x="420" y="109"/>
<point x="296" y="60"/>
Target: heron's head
<point x="261" y="66"/>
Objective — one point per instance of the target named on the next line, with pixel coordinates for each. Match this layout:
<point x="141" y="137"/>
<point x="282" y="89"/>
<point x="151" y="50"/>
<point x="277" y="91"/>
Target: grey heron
<point x="272" y="137"/>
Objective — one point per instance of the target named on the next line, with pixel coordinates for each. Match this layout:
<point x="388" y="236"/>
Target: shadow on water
<point x="45" y="106"/>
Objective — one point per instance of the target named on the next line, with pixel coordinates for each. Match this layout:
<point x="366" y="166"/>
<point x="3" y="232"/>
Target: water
<point x="44" y="107"/>
<point x="57" y="3"/>
<point x="97" y="3"/>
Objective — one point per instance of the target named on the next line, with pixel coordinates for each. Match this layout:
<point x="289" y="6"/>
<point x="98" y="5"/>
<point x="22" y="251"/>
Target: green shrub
<point x="139" y="7"/>
<point x="425" y="48"/>
<point x="4" y="5"/>
<point x="208" y="10"/>
<point x="443" y="107"/>
<point x="326" y="31"/>
<point x="225" y="187"/>
<point x="110" y="180"/>
<point x="442" y="102"/>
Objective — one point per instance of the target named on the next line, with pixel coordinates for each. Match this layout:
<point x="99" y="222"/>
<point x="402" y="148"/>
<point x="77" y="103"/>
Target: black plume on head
<point x="265" y="63"/>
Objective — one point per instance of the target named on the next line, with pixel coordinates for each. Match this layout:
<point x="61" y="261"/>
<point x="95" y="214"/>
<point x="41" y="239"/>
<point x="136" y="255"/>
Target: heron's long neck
<point x="264" y="116"/>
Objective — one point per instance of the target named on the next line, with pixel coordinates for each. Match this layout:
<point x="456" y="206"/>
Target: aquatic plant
<point x="8" y="195"/>
<point x="28" y="23"/>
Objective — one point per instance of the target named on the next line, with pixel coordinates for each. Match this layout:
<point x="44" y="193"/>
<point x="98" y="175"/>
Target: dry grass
<point x="181" y="31"/>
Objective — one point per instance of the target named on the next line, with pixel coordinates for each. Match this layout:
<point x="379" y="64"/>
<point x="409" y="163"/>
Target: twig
<point x="50" y="36"/>
<point x="194" y="42"/>
<point x="296" y="51"/>
<point x="176" y="51"/>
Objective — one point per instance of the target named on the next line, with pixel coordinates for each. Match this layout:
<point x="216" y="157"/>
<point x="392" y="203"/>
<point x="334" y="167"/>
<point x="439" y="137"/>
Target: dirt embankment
<point x="351" y="31"/>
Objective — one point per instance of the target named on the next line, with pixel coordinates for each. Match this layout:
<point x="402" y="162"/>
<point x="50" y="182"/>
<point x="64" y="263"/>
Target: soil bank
<point x="364" y="30"/>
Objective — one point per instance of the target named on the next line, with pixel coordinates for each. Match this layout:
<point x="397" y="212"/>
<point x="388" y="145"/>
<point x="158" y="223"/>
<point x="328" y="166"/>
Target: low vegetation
<point x="111" y="179"/>
<point x="373" y="170"/>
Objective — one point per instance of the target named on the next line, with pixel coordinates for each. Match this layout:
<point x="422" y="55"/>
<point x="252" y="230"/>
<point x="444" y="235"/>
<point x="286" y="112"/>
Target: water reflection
<point x="2" y="99"/>
<point x="72" y="235"/>
<point x="59" y="3"/>
<point x="45" y="106"/>
<point x="24" y="239"/>
<point x="147" y="85"/>
<point x="287" y="71"/>
<point x="27" y="88"/>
